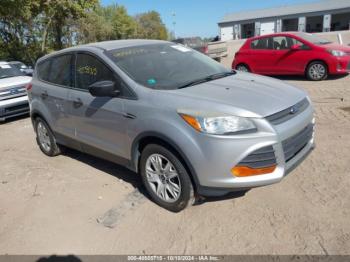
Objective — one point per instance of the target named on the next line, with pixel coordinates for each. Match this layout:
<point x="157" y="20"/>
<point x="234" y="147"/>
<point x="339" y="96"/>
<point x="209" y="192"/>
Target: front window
<point x="7" y="70"/>
<point x="166" y="66"/>
<point x="313" y="38"/>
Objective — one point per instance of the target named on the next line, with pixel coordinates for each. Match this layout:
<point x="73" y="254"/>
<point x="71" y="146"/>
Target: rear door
<point x="55" y="78"/>
<point x="260" y="55"/>
<point x="99" y="121"/>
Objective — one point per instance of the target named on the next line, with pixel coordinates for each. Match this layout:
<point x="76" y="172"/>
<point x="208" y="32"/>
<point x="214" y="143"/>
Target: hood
<point x="14" y="81"/>
<point x="334" y="46"/>
<point x="263" y="96"/>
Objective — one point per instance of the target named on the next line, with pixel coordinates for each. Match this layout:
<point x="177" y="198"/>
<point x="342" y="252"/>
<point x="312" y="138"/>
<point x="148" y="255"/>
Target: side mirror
<point x="295" y="47"/>
<point x="104" y="89"/>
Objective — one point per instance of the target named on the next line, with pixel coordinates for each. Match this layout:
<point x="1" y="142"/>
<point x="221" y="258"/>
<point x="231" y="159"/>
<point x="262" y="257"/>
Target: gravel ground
<point x="78" y="204"/>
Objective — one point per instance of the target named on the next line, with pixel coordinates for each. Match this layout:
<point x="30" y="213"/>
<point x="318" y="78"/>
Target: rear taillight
<point x="29" y="86"/>
<point x="205" y="49"/>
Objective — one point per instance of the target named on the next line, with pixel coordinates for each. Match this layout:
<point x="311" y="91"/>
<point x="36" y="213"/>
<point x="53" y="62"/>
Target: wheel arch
<point x="144" y="139"/>
<point x="244" y="64"/>
<point x="35" y="114"/>
<point x="316" y="60"/>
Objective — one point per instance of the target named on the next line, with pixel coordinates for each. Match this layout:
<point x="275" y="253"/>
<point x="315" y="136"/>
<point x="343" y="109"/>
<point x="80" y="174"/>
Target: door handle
<point x="44" y="95"/>
<point x="77" y="103"/>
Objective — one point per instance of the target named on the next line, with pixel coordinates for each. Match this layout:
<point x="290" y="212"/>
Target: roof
<point x="287" y="10"/>
<point x="115" y="44"/>
<point x="105" y="45"/>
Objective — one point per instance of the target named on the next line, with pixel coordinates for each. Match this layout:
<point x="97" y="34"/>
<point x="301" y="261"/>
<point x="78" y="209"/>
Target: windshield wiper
<point x="207" y="79"/>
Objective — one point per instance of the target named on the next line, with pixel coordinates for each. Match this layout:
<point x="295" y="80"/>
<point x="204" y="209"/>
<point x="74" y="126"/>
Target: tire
<point x="171" y="187"/>
<point x="242" y="68"/>
<point x="45" y="138"/>
<point x="317" y="71"/>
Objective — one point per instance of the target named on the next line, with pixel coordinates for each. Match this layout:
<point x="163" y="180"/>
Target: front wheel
<point x="166" y="178"/>
<point x="317" y="71"/>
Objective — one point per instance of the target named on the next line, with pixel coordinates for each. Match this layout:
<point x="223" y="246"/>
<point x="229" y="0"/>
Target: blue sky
<point x="197" y="17"/>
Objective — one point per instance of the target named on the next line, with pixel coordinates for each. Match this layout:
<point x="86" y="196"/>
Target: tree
<point x="124" y="26"/>
<point x="150" y="26"/>
<point x="30" y="28"/>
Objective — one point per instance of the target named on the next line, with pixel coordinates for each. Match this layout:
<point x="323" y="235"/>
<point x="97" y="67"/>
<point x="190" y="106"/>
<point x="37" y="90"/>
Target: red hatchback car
<point x="293" y="53"/>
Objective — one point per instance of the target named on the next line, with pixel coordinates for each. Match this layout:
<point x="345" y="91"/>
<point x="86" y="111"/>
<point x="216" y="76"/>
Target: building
<point x="324" y="16"/>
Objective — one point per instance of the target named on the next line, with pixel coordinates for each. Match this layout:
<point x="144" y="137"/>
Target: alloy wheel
<point x="163" y="178"/>
<point x="317" y="71"/>
<point x="43" y="136"/>
<point x="242" y="68"/>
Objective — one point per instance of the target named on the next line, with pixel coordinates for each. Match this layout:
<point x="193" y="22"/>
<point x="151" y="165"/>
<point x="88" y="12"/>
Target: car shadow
<point x="55" y="258"/>
<point x="108" y="167"/>
<point x="14" y="119"/>
<point x="232" y="195"/>
<point x="303" y="78"/>
<point x="133" y="178"/>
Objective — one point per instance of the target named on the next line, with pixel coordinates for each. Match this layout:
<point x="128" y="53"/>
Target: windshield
<point x="7" y="70"/>
<point x="166" y="66"/>
<point x="313" y="39"/>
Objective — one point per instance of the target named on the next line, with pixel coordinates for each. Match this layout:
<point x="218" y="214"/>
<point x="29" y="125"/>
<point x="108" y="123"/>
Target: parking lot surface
<point x="78" y="204"/>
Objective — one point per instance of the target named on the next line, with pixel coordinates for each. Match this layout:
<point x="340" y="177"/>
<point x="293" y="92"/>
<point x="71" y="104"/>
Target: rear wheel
<point x="317" y="71"/>
<point x="45" y="138"/>
<point x="166" y="178"/>
<point x="242" y="67"/>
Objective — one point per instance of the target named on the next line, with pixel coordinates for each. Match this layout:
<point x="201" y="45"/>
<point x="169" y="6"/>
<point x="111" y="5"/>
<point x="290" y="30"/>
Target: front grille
<point x="16" y="108"/>
<point x="289" y="113"/>
<point x="12" y="92"/>
<point x="293" y="145"/>
<point x="263" y="157"/>
<point x="348" y="67"/>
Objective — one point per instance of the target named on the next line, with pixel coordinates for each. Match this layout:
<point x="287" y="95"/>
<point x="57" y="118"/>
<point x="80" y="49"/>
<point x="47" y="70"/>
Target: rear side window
<point x="262" y="43"/>
<point x="61" y="70"/>
<point x="43" y="70"/>
<point x="90" y="70"/>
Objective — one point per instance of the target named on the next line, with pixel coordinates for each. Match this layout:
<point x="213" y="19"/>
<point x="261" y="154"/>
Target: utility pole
<point x="174" y="23"/>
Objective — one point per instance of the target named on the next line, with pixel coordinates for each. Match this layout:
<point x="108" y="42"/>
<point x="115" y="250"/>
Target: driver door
<point x="99" y="122"/>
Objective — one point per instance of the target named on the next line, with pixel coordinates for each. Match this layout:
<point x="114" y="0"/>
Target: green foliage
<point x="32" y="28"/>
<point x="150" y="26"/>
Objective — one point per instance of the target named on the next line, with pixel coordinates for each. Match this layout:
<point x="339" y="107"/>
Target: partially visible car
<point x="215" y="49"/>
<point x="27" y="70"/>
<point x="13" y="95"/>
<point x="293" y="53"/>
<point x="195" y="43"/>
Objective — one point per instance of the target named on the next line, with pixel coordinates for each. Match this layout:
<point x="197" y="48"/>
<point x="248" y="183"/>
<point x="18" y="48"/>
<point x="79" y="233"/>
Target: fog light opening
<point x="244" y="171"/>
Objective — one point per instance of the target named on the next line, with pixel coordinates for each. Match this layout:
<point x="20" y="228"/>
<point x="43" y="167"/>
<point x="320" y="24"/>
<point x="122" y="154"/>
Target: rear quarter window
<point x="43" y="70"/>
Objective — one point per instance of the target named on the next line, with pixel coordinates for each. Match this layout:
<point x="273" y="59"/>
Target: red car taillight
<point x="205" y="49"/>
<point x="29" y="86"/>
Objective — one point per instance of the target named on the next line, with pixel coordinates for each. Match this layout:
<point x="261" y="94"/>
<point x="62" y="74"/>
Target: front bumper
<point x="14" y="107"/>
<point x="340" y="65"/>
<point x="221" y="154"/>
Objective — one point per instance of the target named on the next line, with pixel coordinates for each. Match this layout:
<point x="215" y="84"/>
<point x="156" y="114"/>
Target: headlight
<point x="337" y="52"/>
<point x="220" y="125"/>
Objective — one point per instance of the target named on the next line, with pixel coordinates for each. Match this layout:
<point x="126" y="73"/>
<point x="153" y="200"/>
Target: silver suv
<point x="185" y="123"/>
<point x="13" y="95"/>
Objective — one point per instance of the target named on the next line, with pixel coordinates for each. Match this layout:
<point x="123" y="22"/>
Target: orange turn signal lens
<point x="244" y="171"/>
<point x="192" y="121"/>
